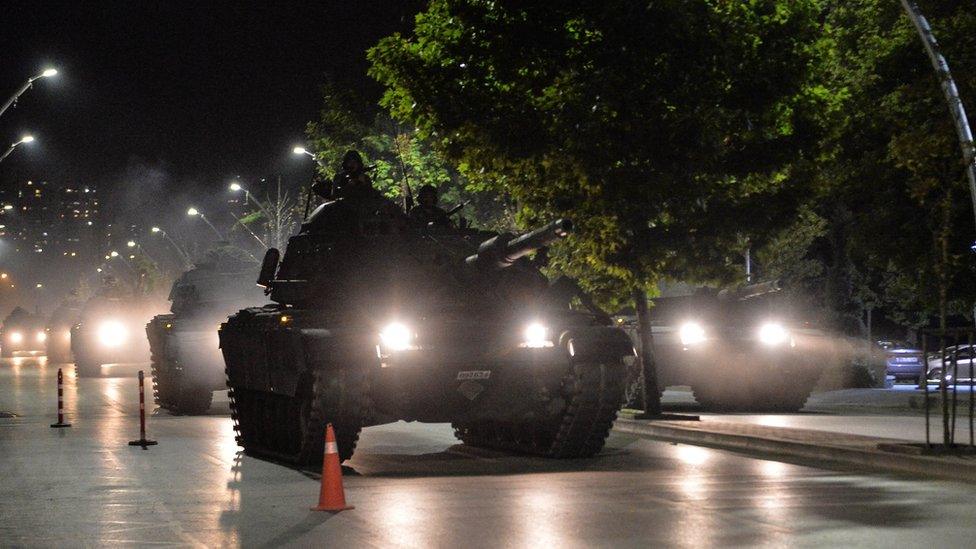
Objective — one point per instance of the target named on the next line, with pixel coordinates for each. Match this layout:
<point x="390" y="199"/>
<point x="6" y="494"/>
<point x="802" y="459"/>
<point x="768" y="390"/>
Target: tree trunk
<point x="649" y="391"/>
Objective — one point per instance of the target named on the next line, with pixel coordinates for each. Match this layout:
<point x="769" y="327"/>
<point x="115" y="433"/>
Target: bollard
<point x="143" y="441"/>
<point x="60" y="422"/>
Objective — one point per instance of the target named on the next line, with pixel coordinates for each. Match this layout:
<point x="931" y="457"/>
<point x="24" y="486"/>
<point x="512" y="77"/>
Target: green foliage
<point x="669" y="131"/>
<point x="400" y="157"/>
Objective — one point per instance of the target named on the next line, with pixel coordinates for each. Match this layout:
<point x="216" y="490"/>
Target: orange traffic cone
<point x="331" y="496"/>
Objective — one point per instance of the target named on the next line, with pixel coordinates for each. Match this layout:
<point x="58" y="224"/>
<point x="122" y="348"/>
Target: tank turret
<point x="504" y="250"/>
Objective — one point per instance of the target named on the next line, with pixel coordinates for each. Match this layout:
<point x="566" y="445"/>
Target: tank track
<point x="292" y="429"/>
<point x="593" y="392"/>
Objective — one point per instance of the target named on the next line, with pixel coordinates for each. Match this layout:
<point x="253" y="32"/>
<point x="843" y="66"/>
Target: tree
<point x="667" y="130"/>
<point x="890" y="161"/>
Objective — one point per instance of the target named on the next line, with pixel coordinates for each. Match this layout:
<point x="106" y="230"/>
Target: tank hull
<point x="470" y="374"/>
<point x="187" y="366"/>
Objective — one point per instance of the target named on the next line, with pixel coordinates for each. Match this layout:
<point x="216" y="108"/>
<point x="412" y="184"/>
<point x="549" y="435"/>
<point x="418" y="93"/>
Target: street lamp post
<point x="304" y="151"/>
<point x="25" y="139"/>
<point x="184" y="258"/>
<point x="27" y="85"/>
<point x="193" y="212"/>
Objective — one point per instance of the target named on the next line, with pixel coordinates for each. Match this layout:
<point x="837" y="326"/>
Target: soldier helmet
<point x="427" y="190"/>
<point x="350" y="157"/>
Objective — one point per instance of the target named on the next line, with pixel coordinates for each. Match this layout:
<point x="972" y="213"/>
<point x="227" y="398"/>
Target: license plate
<point x="908" y="359"/>
<point x="473" y="374"/>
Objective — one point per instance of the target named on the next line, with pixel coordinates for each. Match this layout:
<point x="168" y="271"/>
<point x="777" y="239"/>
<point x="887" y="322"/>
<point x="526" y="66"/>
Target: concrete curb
<point x="838" y="456"/>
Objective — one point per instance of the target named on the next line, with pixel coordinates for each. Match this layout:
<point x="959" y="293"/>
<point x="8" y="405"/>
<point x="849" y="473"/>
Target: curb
<point x="836" y="456"/>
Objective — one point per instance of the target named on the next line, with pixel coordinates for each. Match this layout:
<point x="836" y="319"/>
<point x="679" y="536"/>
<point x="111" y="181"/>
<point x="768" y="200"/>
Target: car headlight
<point x="112" y="333"/>
<point x="773" y="333"/>
<point x="691" y="333"/>
<point x="16" y="337"/>
<point x="397" y="337"/>
<point x="41" y="337"/>
<point x="536" y="336"/>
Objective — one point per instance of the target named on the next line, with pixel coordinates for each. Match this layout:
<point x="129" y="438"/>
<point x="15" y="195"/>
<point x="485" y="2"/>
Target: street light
<point x="183" y="255"/>
<point x="25" y="139"/>
<point x="47" y="73"/>
<point x="236" y="187"/>
<point x="193" y="212"/>
<point x="131" y="243"/>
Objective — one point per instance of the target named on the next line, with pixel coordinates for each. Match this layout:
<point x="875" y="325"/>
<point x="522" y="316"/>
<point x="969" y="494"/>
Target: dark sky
<point x="195" y="91"/>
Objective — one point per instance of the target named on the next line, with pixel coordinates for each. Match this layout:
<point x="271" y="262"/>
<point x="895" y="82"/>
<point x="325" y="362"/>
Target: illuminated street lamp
<point x="25" y="139"/>
<point x="183" y="255"/>
<point x="193" y="212"/>
<point x="48" y="73"/>
<point x="303" y="150"/>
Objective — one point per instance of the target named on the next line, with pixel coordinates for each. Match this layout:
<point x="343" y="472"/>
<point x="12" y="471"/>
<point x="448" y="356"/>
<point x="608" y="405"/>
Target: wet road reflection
<point x="413" y="485"/>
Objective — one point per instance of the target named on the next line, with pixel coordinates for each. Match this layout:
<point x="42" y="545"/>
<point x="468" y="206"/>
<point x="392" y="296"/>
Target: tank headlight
<point x="16" y="337"/>
<point x="41" y="337"/>
<point x="773" y="333"/>
<point x="397" y="337"/>
<point x="112" y="333"/>
<point x="691" y="333"/>
<point x="536" y="336"/>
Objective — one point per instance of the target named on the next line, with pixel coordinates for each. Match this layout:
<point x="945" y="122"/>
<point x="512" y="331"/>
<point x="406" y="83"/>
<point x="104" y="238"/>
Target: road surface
<point x="413" y="485"/>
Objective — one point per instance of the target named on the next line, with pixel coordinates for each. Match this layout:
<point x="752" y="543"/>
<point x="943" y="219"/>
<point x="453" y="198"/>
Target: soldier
<point x="427" y="211"/>
<point x="350" y="181"/>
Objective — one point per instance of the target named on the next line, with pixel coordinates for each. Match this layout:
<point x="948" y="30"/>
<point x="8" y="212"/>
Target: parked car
<point x="958" y="363"/>
<point x="902" y="360"/>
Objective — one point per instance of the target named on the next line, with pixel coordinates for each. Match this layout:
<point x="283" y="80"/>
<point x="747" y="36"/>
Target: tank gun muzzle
<point x="505" y="249"/>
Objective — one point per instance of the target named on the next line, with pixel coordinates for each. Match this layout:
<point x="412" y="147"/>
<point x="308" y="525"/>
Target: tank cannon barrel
<point x="505" y="249"/>
<point x="750" y="291"/>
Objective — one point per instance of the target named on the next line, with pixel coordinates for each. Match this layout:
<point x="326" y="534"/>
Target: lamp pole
<point x="193" y="212"/>
<point x="25" y="139"/>
<point x="183" y="255"/>
<point x="27" y="85"/>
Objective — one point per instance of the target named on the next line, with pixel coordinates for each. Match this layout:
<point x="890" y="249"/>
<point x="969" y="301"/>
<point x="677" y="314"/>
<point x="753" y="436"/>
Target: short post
<point x="143" y="441"/>
<point x="60" y="422"/>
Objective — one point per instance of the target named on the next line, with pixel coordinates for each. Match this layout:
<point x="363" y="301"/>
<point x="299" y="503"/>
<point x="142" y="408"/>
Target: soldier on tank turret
<point x="427" y="211"/>
<point x="351" y="181"/>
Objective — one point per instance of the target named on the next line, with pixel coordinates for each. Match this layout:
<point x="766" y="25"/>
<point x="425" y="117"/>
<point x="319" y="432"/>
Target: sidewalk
<point x="825" y="448"/>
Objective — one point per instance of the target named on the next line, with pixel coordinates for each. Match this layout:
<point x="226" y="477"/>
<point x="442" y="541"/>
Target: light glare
<point x="112" y="333"/>
<point x="691" y="333"/>
<point x="396" y="336"/>
<point x="773" y="333"/>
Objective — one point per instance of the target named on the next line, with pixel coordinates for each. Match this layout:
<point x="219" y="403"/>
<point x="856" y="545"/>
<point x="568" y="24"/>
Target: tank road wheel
<point x="593" y="394"/>
<point x="340" y="398"/>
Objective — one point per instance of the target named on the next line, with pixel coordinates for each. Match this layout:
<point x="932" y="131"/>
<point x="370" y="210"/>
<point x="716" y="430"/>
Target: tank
<point x="110" y="330"/>
<point x="187" y="366"/>
<point x="376" y="321"/>
<point x="740" y="349"/>
<point x="58" y="330"/>
<point x="21" y="331"/>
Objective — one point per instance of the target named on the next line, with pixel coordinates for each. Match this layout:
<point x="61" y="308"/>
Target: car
<point x="903" y="361"/>
<point x="22" y="331"/>
<point x="959" y="362"/>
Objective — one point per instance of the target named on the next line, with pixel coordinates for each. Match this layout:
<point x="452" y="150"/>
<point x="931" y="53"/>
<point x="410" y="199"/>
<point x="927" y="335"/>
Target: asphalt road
<point x="414" y="485"/>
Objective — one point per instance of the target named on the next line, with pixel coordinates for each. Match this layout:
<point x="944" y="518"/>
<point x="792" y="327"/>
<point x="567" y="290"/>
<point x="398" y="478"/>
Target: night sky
<point x="191" y="93"/>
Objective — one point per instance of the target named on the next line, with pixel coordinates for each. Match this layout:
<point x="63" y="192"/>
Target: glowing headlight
<point x="112" y="333"/>
<point x="41" y="337"/>
<point x="535" y="336"/>
<point x="773" y="333"/>
<point x="396" y="337"/>
<point x="16" y="337"/>
<point x="691" y="333"/>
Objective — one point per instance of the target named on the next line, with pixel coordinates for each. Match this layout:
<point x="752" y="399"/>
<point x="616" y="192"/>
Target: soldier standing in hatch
<point x="351" y="181"/>
<point x="427" y="211"/>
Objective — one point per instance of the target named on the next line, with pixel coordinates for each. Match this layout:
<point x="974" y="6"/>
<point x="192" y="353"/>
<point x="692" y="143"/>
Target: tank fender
<point x="286" y="356"/>
<point x="597" y="344"/>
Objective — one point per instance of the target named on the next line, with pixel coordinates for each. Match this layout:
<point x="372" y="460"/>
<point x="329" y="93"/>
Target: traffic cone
<point x="331" y="496"/>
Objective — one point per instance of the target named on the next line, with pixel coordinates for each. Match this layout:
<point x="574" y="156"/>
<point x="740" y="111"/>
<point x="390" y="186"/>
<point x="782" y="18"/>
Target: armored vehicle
<point x="377" y="321"/>
<point x="110" y="331"/>
<point x="186" y="362"/>
<point x="740" y="350"/>
<point x="58" y="330"/>
<point x="21" y="331"/>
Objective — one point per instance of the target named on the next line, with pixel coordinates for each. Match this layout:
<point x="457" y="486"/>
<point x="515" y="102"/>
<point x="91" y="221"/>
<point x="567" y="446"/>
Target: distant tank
<point x="58" y="330"/>
<point x="110" y="330"/>
<point x="21" y="331"/>
<point x="186" y="362"/>
<point x="376" y="321"/>
<point x="740" y="349"/>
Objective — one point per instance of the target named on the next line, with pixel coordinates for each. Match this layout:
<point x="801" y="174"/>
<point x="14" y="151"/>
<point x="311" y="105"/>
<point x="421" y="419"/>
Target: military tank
<point x="110" y="329"/>
<point x="21" y="331"/>
<point x="58" y="329"/>
<point x="739" y="349"/>
<point x="376" y="321"/>
<point x="187" y="366"/>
